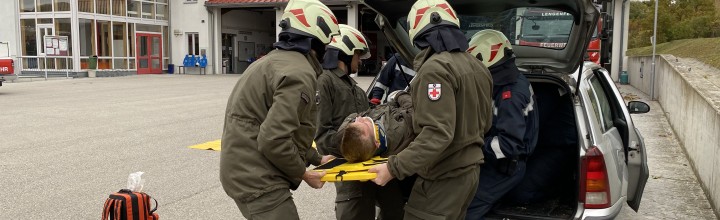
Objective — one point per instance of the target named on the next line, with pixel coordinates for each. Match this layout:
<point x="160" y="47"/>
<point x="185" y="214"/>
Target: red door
<point x="149" y="53"/>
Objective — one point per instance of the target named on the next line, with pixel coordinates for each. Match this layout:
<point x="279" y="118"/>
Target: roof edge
<point x="268" y="4"/>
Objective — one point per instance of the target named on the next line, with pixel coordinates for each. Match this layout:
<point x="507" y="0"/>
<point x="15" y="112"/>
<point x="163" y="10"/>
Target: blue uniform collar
<point x="504" y="73"/>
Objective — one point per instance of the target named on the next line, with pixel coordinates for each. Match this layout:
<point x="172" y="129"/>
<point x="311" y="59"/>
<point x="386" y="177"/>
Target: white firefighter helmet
<point x="349" y="41"/>
<point x="490" y="44"/>
<point x="310" y="18"/>
<point x="426" y="14"/>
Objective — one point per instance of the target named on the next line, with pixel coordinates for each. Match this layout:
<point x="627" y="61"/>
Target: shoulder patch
<point x="506" y="95"/>
<point x="434" y="91"/>
<point x="305" y="97"/>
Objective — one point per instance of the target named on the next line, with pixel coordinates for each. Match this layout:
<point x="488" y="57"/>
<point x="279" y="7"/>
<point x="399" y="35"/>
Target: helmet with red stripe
<point x="489" y="46"/>
<point x="349" y="41"/>
<point x="426" y="14"/>
<point x="310" y="18"/>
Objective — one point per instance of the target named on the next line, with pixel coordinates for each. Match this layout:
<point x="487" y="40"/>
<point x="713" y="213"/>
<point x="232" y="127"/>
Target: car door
<point x="608" y="137"/>
<point x="634" y="146"/>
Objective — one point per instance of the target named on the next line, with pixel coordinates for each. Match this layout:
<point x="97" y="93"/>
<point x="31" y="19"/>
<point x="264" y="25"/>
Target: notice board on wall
<point x="56" y="45"/>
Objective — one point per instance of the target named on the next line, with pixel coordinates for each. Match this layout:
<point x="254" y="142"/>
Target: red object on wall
<point x="7" y="66"/>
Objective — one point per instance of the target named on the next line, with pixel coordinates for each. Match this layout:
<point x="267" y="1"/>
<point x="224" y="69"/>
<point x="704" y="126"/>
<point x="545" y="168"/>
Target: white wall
<point x="691" y="104"/>
<point x="9" y="32"/>
<point x="189" y="18"/>
<point x="619" y="35"/>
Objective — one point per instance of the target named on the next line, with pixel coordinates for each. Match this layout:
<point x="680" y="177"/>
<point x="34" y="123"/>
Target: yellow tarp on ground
<point x="212" y="145"/>
<point x="215" y="145"/>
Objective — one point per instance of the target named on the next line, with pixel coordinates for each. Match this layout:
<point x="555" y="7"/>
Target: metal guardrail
<point x="46" y="66"/>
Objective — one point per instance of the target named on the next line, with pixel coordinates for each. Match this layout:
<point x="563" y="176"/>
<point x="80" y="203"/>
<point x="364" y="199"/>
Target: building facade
<point x="237" y="32"/>
<point x="61" y="36"/>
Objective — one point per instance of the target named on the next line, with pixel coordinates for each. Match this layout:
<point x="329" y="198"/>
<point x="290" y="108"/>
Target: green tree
<point x="677" y="19"/>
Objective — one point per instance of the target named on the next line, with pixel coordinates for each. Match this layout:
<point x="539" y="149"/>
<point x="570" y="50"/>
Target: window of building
<point x="86" y="6"/>
<point x="44" y="5"/>
<point x="148" y="10"/>
<point x="87" y="37"/>
<point x="149" y="28"/>
<point x="27" y="6"/>
<point x="44" y="20"/>
<point x="193" y="43"/>
<point x="104" y="64"/>
<point x="118" y="7"/>
<point x="42" y="31"/>
<point x="62" y="5"/>
<point x="103" y="38"/>
<point x="27" y="35"/>
<point x="63" y="63"/>
<point x="62" y="28"/>
<point x="131" y="39"/>
<point x="103" y="6"/>
<point x="133" y="8"/>
<point x="120" y="64"/>
<point x="120" y="45"/>
<point x="156" y="44"/>
<point x="166" y="40"/>
<point x="161" y="12"/>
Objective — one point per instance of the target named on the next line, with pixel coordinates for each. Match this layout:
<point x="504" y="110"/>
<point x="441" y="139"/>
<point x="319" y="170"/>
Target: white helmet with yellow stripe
<point x="426" y="14"/>
<point x="349" y="41"/>
<point x="490" y="45"/>
<point x="310" y="18"/>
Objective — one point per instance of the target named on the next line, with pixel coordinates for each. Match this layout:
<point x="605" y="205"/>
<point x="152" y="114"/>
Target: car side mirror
<point x="635" y="107"/>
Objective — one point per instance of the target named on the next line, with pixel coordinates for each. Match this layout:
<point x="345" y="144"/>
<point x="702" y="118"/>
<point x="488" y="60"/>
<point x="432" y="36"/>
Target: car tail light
<point x="594" y="188"/>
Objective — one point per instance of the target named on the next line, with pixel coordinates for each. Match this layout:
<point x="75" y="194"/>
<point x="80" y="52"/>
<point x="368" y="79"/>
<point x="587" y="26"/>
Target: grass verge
<point x="706" y="50"/>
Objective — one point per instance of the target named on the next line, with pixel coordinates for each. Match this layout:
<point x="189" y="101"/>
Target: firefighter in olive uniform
<point x="271" y="117"/>
<point x="451" y="95"/>
<point x="514" y="131"/>
<point x="339" y="96"/>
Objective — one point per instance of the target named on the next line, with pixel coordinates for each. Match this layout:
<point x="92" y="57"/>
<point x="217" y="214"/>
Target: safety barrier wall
<point x="692" y="106"/>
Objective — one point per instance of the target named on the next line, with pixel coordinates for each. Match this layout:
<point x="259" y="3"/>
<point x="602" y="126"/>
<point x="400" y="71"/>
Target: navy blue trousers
<point x="492" y="186"/>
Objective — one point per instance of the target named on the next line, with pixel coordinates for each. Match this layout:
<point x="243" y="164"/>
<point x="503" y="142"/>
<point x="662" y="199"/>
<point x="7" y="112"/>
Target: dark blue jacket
<point x="391" y="78"/>
<point x="514" y="130"/>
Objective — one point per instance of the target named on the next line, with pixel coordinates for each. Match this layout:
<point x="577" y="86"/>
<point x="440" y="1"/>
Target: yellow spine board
<point x="352" y="171"/>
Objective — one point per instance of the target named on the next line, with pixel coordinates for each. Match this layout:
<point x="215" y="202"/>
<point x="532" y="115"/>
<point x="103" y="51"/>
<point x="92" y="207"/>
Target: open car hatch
<point x="548" y="35"/>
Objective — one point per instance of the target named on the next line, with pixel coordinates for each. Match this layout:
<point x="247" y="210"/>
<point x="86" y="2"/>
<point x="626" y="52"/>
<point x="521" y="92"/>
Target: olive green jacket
<point x="452" y="99"/>
<point x="338" y="96"/>
<point x="269" y="126"/>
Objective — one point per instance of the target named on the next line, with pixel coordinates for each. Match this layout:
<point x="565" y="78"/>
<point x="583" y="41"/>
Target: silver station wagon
<point x="590" y="159"/>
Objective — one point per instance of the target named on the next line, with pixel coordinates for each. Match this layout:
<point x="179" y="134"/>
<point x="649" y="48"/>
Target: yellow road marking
<point x="215" y="145"/>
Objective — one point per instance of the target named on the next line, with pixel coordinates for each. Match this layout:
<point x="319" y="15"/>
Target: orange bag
<point x="128" y="205"/>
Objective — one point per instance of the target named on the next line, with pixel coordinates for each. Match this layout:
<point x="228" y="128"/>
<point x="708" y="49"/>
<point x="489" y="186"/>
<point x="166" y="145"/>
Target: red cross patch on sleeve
<point x="506" y="95"/>
<point x="434" y="91"/>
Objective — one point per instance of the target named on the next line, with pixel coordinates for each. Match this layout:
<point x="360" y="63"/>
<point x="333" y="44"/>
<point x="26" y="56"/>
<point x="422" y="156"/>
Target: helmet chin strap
<point x="347" y="60"/>
<point x="319" y="48"/>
